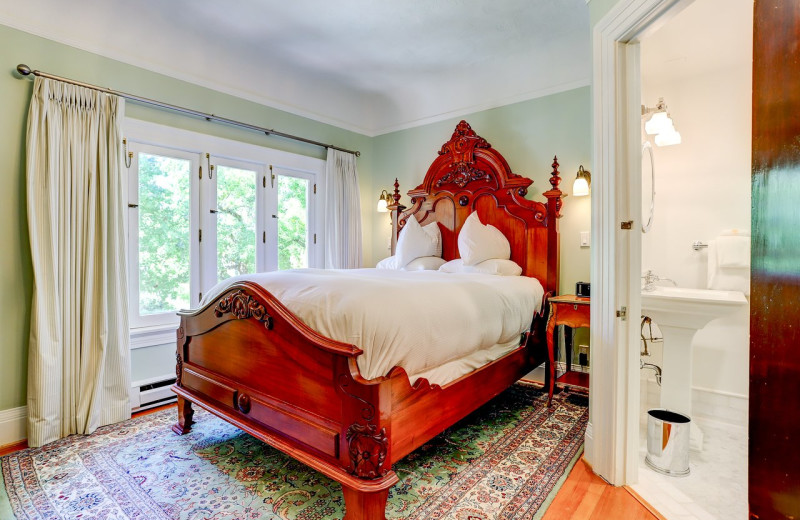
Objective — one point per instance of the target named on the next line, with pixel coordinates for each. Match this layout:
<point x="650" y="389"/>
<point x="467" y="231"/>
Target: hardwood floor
<point x="584" y="495"/>
<point x="11" y="448"/>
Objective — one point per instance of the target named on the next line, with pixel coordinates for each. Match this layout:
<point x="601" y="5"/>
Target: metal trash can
<point x="668" y="442"/>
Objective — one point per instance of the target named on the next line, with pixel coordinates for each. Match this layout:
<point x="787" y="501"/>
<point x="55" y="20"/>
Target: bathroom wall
<point x="702" y="184"/>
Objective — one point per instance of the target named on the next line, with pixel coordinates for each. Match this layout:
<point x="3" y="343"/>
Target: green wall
<point x="528" y="134"/>
<point x="16" y="277"/>
<point x="598" y="9"/>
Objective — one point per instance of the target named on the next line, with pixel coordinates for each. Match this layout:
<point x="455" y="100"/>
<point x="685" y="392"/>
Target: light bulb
<point x="668" y="138"/>
<point x="580" y="187"/>
<point x="658" y="123"/>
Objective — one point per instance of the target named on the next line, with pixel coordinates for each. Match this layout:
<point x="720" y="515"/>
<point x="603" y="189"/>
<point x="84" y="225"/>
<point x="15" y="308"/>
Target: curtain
<point x="342" y="212"/>
<point x="78" y="358"/>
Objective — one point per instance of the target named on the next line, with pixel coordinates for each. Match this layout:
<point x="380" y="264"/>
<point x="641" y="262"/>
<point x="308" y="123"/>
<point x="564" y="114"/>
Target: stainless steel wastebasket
<point x="668" y="442"/>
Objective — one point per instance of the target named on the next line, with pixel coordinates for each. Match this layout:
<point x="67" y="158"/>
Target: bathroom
<point x="700" y="63"/>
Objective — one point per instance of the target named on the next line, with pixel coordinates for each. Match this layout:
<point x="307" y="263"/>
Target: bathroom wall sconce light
<point x="582" y="182"/>
<point x="660" y="124"/>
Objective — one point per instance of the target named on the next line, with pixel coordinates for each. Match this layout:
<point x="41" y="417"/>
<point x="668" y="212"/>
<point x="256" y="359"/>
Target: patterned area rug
<point x="504" y="461"/>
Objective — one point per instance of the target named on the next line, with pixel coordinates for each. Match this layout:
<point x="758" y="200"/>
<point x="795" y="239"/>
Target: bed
<point x="245" y="357"/>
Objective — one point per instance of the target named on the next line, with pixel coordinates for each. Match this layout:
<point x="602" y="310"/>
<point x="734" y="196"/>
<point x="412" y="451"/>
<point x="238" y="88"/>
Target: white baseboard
<point x="707" y="403"/>
<point x="13" y="425"/>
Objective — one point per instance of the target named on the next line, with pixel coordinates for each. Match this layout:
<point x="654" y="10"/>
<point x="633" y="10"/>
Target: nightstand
<point x="572" y="311"/>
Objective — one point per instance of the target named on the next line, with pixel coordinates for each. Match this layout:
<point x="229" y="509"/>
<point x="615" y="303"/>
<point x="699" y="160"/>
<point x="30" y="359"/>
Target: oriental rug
<point x="505" y="461"/>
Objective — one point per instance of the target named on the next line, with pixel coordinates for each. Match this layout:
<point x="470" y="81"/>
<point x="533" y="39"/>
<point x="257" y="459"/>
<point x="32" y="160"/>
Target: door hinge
<point x="315" y="188"/>
<point x="622" y="313"/>
<point x="628" y="224"/>
<point x="200" y="296"/>
<point x="264" y="237"/>
<point x="315" y="238"/>
<point x="199" y="235"/>
<point x="200" y="172"/>
<point x="264" y="181"/>
<point x="272" y="177"/>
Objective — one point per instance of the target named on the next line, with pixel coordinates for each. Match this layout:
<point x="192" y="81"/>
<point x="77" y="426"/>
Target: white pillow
<point x="477" y="242"/>
<point x="388" y="263"/>
<point x="425" y="263"/>
<point x="415" y="241"/>
<point x="432" y="229"/>
<point x="492" y="266"/>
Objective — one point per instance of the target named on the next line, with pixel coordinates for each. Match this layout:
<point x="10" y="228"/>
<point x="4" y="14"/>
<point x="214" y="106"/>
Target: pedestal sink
<point x="680" y="313"/>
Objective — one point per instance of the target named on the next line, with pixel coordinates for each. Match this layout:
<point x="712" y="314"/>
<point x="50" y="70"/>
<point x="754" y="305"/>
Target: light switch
<point x="586" y="240"/>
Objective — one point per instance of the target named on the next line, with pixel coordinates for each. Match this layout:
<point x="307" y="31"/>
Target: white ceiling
<point x="371" y="66"/>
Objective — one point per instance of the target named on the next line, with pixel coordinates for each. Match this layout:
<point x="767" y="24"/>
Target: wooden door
<point x="774" y="464"/>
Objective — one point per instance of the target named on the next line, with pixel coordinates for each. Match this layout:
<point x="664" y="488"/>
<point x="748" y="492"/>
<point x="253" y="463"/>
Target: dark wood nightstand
<point x="572" y="311"/>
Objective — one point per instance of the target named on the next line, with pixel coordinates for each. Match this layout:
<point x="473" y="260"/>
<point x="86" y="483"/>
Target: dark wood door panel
<point x="774" y="462"/>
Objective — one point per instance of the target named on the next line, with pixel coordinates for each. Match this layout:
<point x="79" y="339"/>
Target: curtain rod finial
<point x="23" y="69"/>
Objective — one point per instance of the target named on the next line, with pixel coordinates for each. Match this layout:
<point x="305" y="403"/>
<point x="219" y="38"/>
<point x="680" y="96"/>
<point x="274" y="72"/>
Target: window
<point x="203" y="209"/>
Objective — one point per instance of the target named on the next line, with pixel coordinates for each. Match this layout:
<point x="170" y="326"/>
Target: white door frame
<point x="612" y="435"/>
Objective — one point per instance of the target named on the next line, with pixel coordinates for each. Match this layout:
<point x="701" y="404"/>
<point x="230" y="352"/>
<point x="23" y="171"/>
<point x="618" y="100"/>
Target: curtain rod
<point x="24" y="70"/>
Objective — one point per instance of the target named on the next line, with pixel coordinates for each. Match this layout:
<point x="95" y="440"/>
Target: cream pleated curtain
<point x="342" y="212"/>
<point x="78" y="358"/>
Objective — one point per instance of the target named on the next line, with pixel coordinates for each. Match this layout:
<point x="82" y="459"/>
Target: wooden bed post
<point x="553" y="214"/>
<point x="185" y="414"/>
<point x="363" y="505"/>
<point x="396" y="208"/>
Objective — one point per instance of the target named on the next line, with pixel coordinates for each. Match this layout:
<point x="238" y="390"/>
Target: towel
<point x="729" y="262"/>
<point x="733" y="251"/>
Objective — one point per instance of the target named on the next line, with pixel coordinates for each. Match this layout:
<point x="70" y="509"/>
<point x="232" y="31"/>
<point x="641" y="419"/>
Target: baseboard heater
<point x="151" y="393"/>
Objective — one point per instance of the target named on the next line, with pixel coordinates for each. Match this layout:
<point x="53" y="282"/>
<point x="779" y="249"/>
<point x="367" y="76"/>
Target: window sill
<point x="142" y="337"/>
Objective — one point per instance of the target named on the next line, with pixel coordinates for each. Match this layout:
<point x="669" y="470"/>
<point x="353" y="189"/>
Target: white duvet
<point x="435" y="325"/>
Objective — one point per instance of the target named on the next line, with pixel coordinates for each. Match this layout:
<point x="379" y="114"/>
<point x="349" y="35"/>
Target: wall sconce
<point x="384" y="201"/>
<point x="660" y="123"/>
<point x="582" y="182"/>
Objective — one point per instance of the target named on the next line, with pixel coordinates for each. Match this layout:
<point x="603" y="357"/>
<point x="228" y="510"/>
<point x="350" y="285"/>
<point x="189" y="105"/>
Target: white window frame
<point x="207" y="150"/>
<point x="208" y="262"/>
<point x="154" y="322"/>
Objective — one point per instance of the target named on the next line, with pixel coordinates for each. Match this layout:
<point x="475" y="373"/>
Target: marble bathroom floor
<point x="715" y="489"/>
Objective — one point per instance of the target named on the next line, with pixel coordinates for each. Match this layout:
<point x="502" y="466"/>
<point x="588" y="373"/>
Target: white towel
<point x="733" y="251"/>
<point x="727" y="278"/>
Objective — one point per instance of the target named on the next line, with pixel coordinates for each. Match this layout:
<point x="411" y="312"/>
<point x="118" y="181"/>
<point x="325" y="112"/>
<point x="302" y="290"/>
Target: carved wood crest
<point x="462" y="147"/>
<point x="243" y="306"/>
<point x="367" y="447"/>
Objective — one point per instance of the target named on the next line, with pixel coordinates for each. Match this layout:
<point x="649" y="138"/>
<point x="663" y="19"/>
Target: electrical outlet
<point x="586" y="240"/>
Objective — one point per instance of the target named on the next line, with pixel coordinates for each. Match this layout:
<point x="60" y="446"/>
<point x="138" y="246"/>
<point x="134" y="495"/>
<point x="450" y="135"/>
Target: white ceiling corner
<point x="370" y="67"/>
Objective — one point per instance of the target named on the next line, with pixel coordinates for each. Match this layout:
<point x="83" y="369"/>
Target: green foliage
<point x="164" y="228"/>
<point x="236" y="222"/>
<point x="292" y="222"/>
<point x="163" y="234"/>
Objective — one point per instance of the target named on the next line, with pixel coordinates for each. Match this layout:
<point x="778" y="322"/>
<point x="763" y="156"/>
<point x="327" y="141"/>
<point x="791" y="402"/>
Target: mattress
<point x="435" y="325"/>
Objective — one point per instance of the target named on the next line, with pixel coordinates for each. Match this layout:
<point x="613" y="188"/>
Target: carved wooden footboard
<point x="249" y="360"/>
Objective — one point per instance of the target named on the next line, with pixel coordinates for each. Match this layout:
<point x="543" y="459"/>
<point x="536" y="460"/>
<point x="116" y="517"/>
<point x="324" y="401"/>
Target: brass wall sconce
<point x="582" y="182"/>
<point x="384" y="201"/>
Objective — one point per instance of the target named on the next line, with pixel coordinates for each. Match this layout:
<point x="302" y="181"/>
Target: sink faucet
<point x="650" y="279"/>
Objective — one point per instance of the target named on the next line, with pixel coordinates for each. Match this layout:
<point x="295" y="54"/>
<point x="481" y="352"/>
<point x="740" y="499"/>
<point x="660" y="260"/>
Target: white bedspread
<point x="435" y="325"/>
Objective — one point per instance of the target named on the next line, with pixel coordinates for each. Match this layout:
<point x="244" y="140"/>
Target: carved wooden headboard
<point x="469" y="175"/>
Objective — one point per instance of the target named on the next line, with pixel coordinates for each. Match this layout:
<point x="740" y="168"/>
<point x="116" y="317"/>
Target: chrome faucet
<point x="650" y="279"/>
